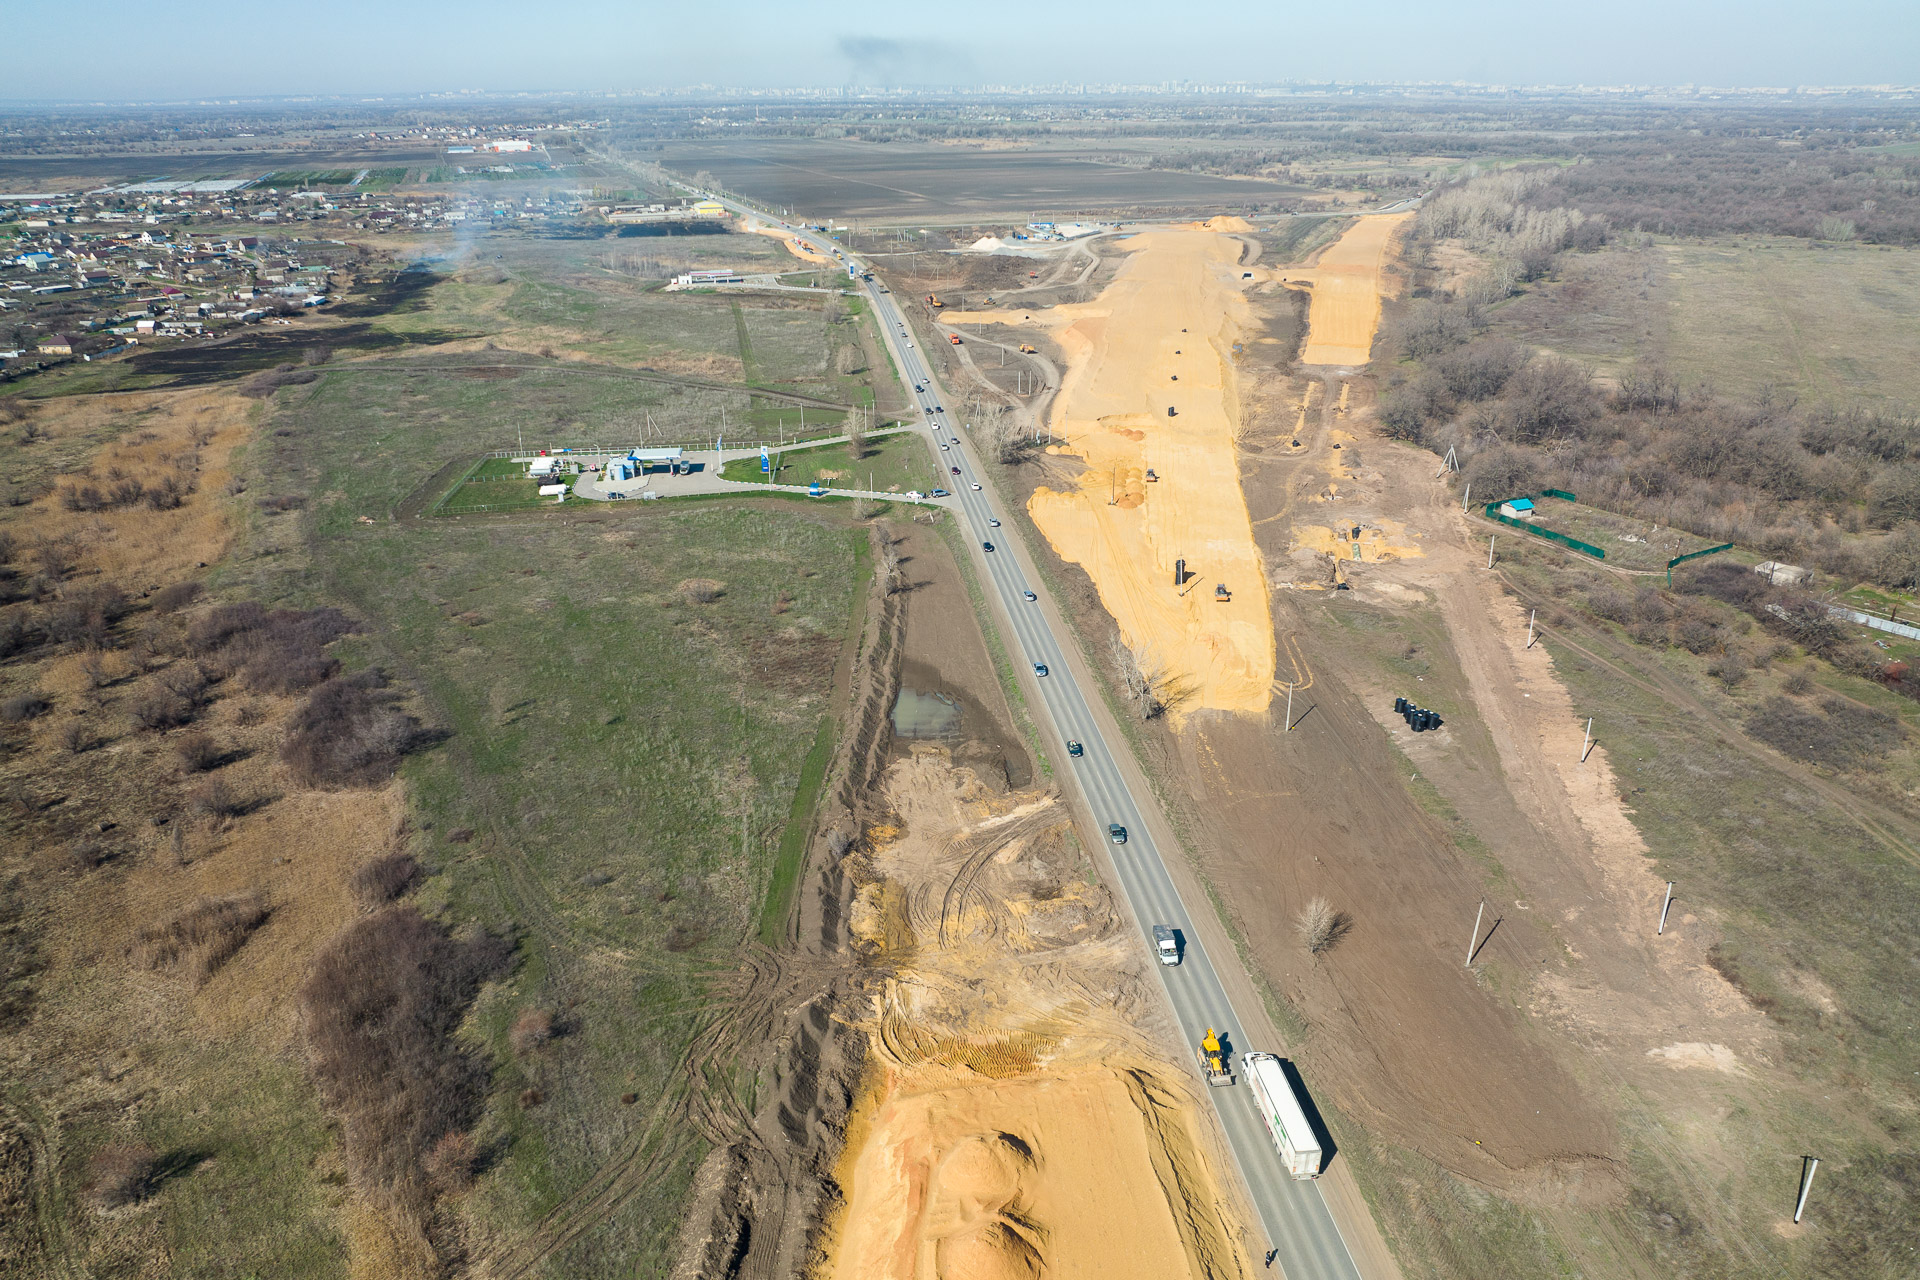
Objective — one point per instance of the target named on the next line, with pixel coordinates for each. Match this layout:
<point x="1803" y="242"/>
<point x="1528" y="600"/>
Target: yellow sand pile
<point x="797" y="247"/>
<point x="1174" y="311"/>
<point x="1012" y="1180"/>
<point x="1019" y="1120"/>
<point x="1348" y="282"/>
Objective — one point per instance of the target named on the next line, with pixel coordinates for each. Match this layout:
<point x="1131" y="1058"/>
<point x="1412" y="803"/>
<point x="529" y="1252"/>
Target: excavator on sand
<point x="1213" y="1060"/>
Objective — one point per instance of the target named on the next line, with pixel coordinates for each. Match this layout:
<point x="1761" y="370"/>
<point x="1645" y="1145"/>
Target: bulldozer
<point x="1213" y="1060"/>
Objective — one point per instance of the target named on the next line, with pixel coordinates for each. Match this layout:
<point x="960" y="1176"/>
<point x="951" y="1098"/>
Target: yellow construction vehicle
<point x="1213" y="1060"/>
<point x="1027" y="348"/>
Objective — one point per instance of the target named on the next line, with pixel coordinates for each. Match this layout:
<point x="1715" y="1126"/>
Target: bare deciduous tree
<point x="1320" y="926"/>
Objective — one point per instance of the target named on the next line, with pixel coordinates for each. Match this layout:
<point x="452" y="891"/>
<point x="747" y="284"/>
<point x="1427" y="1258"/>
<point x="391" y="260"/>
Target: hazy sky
<point x="194" y="47"/>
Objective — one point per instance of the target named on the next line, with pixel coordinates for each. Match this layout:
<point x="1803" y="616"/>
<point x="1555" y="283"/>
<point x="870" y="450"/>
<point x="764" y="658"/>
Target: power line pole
<point x="1473" y="943"/>
<point x="1808" y="1165"/>
<point x="1663" y="910"/>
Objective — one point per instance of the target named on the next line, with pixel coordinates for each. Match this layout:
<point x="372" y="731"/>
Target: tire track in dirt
<point x="1668" y="690"/>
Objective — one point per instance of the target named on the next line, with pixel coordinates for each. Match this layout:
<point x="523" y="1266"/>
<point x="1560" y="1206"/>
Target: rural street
<point x="1294" y="1214"/>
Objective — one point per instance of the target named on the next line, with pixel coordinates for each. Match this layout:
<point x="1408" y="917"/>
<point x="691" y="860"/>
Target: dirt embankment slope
<point x="1016" y="1117"/>
<point x="1151" y="391"/>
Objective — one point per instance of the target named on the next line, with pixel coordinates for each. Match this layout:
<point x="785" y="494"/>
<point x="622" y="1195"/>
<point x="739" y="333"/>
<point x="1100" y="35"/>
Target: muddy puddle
<point x="929" y="709"/>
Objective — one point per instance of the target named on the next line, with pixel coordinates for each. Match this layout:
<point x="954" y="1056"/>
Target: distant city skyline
<point x="211" y="48"/>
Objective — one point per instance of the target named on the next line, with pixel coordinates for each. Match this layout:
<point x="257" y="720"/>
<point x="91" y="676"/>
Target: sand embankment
<point x="1019" y="1120"/>
<point x="1348" y="282"/>
<point x="1151" y="387"/>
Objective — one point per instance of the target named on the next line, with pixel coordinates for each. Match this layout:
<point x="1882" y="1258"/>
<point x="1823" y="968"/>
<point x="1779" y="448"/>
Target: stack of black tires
<point x="1418" y="718"/>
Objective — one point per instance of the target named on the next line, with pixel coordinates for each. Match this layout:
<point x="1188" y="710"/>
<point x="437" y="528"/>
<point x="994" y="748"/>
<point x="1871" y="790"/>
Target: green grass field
<point x="630" y="761"/>
<point x="638" y="767"/>
<point x="894" y="463"/>
<point x="1830" y="323"/>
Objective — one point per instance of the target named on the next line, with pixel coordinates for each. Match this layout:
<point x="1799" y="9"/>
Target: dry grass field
<point x="1829" y="323"/>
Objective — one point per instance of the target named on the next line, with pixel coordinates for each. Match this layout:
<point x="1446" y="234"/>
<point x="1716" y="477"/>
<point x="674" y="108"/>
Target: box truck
<point x="1285" y="1119"/>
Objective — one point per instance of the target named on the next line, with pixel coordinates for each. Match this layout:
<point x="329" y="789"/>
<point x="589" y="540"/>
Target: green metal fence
<point x="1493" y="513"/>
<point x="1694" y="555"/>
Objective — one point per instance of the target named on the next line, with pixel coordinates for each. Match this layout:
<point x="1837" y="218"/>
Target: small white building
<point x="1518" y="509"/>
<point x="1782" y="575"/>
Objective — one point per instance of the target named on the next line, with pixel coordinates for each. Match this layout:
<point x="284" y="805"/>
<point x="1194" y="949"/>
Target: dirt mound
<point x="1018" y="1123"/>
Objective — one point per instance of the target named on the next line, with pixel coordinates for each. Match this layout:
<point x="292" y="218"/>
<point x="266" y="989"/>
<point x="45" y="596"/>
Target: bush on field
<point x="159" y="709"/>
<point x="120" y="1173"/>
<point x="531" y="1029"/>
<point x="385" y="878"/>
<point x="197" y="753"/>
<point x="450" y="1166"/>
<point x="380" y="1009"/>
<point x="175" y="597"/>
<point x="349" y="734"/>
<point x="22" y="707"/>
<point x="200" y="939"/>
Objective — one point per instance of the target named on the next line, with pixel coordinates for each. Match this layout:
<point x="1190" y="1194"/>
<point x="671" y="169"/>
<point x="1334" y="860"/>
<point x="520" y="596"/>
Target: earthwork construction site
<point x="915" y="689"/>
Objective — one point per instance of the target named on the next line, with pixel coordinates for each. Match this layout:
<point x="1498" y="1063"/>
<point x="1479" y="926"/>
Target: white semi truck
<point x="1281" y="1112"/>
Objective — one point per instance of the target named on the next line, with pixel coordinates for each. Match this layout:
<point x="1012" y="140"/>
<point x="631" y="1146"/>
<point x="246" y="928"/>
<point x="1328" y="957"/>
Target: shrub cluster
<point x="381" y="1007"/>
<point x="381" y="880"/>
<point x="270" y="651"/>
<point x="165" y="492"/>
<point x="1787" y="481"/>
<point x="348" y="734"/>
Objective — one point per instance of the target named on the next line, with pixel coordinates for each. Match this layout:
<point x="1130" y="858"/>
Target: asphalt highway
<point x="1297" y="1221"/>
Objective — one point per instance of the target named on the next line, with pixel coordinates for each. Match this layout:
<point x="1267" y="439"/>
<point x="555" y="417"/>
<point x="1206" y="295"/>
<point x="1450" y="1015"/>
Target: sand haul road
<point x="1295" y="1216"/>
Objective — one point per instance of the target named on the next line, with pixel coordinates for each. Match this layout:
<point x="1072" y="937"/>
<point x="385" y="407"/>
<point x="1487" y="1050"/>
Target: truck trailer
<point x="1285" y="1119"/>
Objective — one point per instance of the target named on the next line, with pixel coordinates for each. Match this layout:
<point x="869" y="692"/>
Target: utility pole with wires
<point x="1473" y="943"/>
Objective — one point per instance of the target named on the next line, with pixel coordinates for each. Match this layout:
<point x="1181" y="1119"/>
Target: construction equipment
<point x="1027" y="348"/>
<point x="1220" y="592"/>
<point x="1152" y="478"/>
<point x="1213" y="1060"/>
<point x="954" y="338"/>
<point x="933" y="301"/>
